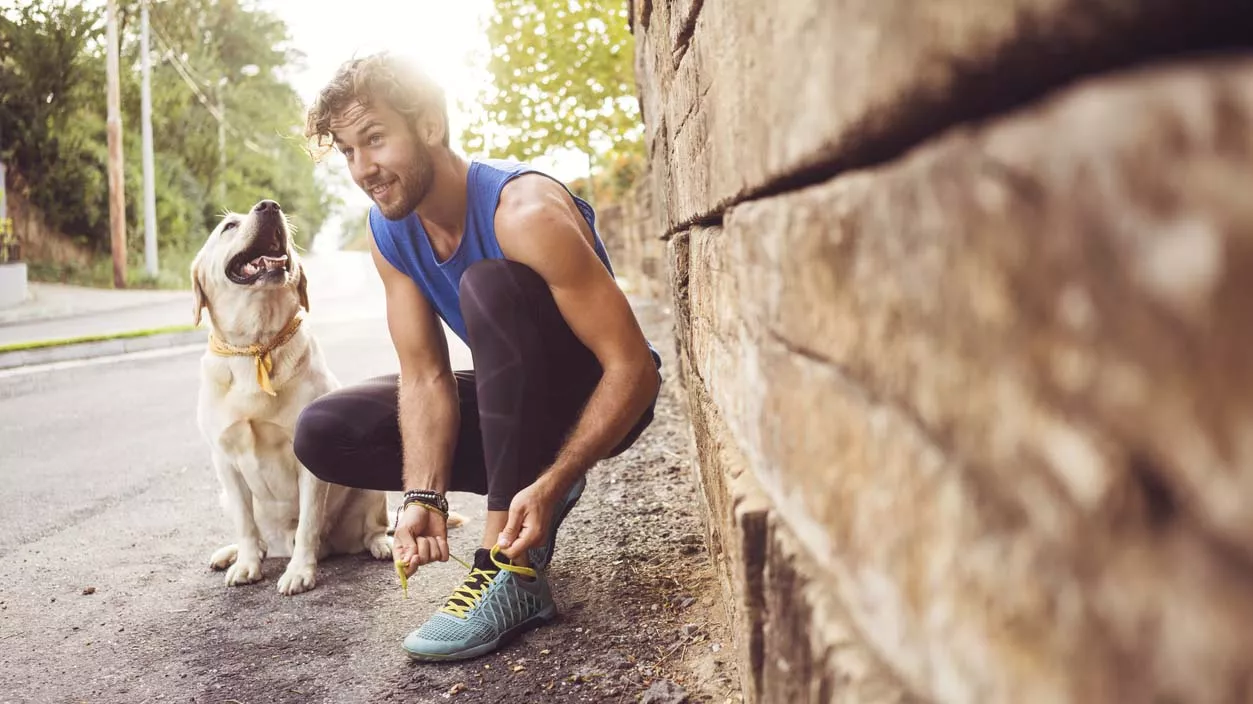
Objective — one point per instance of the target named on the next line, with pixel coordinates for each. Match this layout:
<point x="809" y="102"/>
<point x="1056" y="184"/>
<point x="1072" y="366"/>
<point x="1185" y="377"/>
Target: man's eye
<point x="347" y="153"/>
<point x="376" y="139"/>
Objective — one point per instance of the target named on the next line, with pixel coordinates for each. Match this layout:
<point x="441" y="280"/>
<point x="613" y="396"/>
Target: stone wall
<point x="963" y="293"/>
<point x="629" y="228"/>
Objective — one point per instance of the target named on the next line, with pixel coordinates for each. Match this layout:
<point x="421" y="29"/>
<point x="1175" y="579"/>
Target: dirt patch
<point x="118" y="605"/>
<point x="642" y="617"/>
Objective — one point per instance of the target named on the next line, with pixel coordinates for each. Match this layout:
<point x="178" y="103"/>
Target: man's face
<point x="386" y="158"/>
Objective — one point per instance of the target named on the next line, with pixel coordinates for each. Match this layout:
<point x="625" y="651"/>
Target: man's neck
<point x="444" y="208"/>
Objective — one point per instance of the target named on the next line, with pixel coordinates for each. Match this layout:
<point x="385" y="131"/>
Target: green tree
<point x="563" y="77"/>
<point x="204" y="52"/>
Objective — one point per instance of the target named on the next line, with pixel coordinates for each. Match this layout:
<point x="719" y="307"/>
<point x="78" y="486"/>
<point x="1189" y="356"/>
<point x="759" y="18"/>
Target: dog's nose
<point x="266" y="205"/>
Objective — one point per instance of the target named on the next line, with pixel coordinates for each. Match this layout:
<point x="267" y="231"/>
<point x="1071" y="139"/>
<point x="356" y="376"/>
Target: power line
<point x="185" y="72"/>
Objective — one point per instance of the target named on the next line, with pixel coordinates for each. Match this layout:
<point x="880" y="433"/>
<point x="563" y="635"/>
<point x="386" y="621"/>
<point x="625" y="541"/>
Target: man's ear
<point x="302" y="286"/>
<point x="199" y="300"/>
<point x="432" y="129"/>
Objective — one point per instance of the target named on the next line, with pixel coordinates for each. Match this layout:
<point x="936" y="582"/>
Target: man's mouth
<point x="381" y="189"/>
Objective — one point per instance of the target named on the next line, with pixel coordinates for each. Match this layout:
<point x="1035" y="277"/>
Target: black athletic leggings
<point x="531" y="380"/>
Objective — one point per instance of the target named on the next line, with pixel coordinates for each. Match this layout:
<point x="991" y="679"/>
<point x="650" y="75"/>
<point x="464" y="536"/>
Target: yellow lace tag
<point x="404" y="578"/>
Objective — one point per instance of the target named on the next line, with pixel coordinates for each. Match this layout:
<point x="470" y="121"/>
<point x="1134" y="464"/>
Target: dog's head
<point x="248" y="263"/>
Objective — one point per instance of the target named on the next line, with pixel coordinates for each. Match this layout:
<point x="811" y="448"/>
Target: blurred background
<point x="229" y="83"/>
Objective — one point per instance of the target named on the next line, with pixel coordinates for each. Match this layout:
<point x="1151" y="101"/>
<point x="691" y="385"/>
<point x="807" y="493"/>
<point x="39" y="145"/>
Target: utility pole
<point x="117" y="199"/>
<point x="150" y="189"/>
<point x="4" y="214"/>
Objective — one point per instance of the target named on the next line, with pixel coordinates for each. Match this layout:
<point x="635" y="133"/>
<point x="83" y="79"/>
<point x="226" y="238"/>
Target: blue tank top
<point x="405" y="245"/>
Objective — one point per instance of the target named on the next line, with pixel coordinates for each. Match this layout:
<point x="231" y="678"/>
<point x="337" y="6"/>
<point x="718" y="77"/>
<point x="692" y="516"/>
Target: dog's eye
<point x="230" y="226"/>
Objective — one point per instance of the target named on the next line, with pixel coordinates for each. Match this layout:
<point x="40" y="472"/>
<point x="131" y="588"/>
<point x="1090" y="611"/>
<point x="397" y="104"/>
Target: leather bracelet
<point x="433" y="499"/>
<point x="424" y="505"/>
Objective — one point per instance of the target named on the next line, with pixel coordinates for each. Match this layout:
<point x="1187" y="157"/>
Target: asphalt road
<point x="109" y="512"/>
<point x="105" y="486"/>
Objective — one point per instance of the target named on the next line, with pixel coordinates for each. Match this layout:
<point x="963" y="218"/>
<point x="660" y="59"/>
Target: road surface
<point x="109" y="511"/>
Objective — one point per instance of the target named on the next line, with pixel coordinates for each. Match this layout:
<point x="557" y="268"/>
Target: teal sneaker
<point x="496" y="602"/>
<point x="539" y="557"/>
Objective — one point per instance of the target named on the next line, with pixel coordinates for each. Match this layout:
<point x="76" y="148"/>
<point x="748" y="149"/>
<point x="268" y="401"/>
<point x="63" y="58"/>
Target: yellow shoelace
<point x="466" y="596"/>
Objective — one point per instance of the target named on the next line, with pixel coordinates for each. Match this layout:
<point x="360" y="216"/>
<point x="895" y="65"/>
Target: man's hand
<point x="421" y="538"/>
<point x="529" y="517"/>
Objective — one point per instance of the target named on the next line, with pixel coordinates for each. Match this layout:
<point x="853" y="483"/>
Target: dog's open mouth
<point x="265" y="258"/>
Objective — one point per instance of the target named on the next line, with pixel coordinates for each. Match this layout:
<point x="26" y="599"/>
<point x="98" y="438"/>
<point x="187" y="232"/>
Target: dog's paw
<point x="243" y="572"/>
<point x="297" y="579"/>
<point x="379" y="546"/>
<point x="224" y="557"/>
<point x="455" y="519"/>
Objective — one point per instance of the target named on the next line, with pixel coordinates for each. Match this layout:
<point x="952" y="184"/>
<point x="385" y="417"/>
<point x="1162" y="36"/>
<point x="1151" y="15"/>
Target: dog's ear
<point x="199" y="300"/>
<point x="302" y="286"/>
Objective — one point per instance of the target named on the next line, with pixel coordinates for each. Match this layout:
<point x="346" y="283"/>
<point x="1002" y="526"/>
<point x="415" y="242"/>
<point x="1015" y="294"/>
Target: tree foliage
<point x="563" y="78"/>
<point x="53" y="110"/>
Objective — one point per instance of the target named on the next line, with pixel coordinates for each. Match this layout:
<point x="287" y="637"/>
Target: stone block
<point x="810" y="650"/>
<point x="997" y="389"/>
<point x="767" y="94"/>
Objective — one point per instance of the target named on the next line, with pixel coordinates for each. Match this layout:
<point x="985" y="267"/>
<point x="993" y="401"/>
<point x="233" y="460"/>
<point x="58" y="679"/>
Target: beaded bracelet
<point x="415" y="502"/>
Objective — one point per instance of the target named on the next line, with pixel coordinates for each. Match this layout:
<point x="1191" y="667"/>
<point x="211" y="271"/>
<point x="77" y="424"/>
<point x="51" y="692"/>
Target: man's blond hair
<point x="381" y="78"/>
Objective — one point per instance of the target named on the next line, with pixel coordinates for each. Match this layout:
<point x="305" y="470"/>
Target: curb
<point x="100" y="348"/>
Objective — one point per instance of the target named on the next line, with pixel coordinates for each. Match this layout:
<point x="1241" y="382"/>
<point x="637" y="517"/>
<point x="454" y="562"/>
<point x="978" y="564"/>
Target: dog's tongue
<point x="264" y="262"/>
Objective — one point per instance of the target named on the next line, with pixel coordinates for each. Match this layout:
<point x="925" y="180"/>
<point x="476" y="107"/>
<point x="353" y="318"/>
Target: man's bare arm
<point x="429" y="410"/>
<point x="537" y="224"/>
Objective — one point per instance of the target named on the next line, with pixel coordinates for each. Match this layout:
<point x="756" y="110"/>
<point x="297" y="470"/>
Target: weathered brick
<point x="765" y="92"/>
<point x="1089" y="261"/>
<point x="998" y="388"/>
<point x="959" y="591"/>
<point x="736" y="521"/>
<point x="811" y="652"/>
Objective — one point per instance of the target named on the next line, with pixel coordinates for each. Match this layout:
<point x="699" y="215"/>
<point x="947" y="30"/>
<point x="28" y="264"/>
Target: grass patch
<point x="39" y="344"/>
<point x="172" y="273"/>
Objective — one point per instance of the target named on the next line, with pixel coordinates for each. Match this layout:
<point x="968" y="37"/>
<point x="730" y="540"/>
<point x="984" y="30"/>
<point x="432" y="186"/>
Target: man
<point x="563" y="375"/>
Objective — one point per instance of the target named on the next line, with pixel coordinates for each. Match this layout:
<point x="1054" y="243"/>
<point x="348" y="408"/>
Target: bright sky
<point x="445" y="36"/>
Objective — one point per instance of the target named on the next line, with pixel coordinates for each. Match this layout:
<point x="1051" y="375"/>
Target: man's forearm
<point x="430" y="418"/>
<point x="616" y="404"/>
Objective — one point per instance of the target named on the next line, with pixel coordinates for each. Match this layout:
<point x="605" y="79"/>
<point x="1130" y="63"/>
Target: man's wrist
<point x="559" y="478"/>
<point x="433" y="499"/>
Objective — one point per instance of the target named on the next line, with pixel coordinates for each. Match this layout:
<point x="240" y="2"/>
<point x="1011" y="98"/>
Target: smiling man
<point x="563" y="377"/>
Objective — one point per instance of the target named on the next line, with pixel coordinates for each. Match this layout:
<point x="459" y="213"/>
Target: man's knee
<point x="491" y="284"/>
<point x="316" y="439"/>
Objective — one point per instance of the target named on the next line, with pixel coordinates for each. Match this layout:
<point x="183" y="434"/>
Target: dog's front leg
<point x="300" y="575"/>
<point x="248" y="549"/>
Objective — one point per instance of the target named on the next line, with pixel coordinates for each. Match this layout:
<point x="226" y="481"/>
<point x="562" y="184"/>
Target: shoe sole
<point x="539" y="619"/>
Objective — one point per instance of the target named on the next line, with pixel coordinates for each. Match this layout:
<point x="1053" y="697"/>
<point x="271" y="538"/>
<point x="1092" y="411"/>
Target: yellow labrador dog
<point x="261" y="369"/>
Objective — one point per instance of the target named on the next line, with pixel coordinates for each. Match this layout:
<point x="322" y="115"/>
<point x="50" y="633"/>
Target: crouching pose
<point x="563" y="377"/>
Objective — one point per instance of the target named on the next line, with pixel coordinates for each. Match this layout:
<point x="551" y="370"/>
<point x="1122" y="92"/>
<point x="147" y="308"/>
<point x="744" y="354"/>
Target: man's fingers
<point x="512" y="525"/>
<point x="527" y="539"/>
<point x="442" y="544"/>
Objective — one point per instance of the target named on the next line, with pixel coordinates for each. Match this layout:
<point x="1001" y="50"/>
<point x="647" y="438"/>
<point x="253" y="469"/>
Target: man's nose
<point x="266" y="205"/>
<point x="364" y="167"/>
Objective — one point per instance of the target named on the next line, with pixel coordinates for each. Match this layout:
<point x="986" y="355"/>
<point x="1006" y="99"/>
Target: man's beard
<point x="411" y="187"/>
